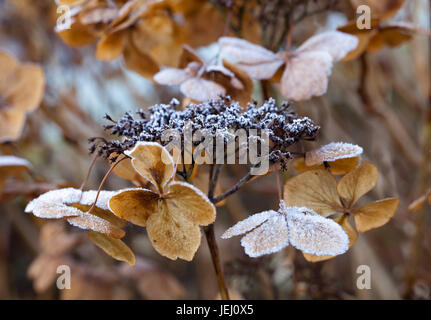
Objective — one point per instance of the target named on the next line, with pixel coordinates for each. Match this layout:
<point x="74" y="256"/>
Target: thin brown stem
<point x="103" y="182"/>
<point x="234" y="189"/>
<point x="209" y="234"/>
<point x="93" y="161"/>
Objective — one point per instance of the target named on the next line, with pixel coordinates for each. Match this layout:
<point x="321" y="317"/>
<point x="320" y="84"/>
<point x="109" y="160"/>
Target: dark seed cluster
<point x="218" y="116"/>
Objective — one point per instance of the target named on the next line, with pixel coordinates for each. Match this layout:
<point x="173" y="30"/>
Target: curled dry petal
<point x="113" y="247"/>
<point x="314" y="189"/>
<point x="357" y="183"/>
<point x="153" y="163"/>
<point x="375" y="214"/>
<point x="337" y="167"/>
<point x="332" y="152"/>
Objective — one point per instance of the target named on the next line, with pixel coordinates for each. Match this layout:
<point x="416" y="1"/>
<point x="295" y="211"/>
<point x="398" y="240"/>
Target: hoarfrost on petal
<point x="12" y="161"/>
<point x="89" y="221"/>
<point x="49" y="210"/>
<point x="55" y="197"/>
<point x="332" y="152"/>
<point x="244" y="51"/>
<point x="88" y="198"/>
<point x="201" y="89"/>
<point x="337" y="44"/>
<point x="248" y="224"/>
<point x="316" y="235"/>
<point x="171" y="76"/>
<point x="270" y="237"/>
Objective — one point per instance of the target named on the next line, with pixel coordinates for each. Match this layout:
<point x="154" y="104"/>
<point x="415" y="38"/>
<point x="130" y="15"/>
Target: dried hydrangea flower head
<point x="319" y="190"/>
<point x="306" y="69"/>
<point x="73" y="204"/>
<point x="21" y="91"/>
<point x="218" y="116"/>
<point x="270" y="231"/>
<point x="339" y="157"/>
<point x="172" y="211"/>
<point x="202" y="82"/>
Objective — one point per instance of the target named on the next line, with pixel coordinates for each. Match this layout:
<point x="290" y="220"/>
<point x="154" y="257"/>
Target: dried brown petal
<point x="375" y="214"/>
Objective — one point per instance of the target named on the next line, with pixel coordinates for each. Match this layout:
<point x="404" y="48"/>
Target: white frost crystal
<point x="270" y="231"/>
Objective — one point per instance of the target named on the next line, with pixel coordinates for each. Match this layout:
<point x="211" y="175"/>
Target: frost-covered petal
<point x="88" y="198"/>
<point x="336" y="43"/>
<point x="314" y="234"/>
<point x="202" y="90"/>
<point x="244" y="51"/>
<point x="306" y="75"/>
<point x="171" y="76"/>
<point x="88" y="221"/>
<point x="45" y="205"/>
<point x="269" y="237"/>
<point x="332" y="152"/>
<point x="248" y="224"/>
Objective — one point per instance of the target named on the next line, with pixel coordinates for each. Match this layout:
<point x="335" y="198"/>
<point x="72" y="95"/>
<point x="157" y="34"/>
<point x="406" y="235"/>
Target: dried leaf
<point x="111" y="46"/>
<point x="337" y="167"/>
<point x="139" y="62"/>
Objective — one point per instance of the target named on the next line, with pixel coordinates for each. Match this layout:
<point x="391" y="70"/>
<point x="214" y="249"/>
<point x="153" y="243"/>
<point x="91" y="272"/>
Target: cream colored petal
<point x="375" y="214"/>
<point x="171" y="76"/>
<point x="173" y="235"/>
<point x="269" y="237"/>
<point x="134" y="205"/>
<point x="190" y="202"/>
<point x="201" y="89"/>
<point x="153" y="162"/>
<point x="336" y="43"/>
<point x="306" y="75"/>
<point x="357" y="183"/>
<point x="113" y="247"/>
<point x="316" y="190"/>
<point x="248" y="224"/>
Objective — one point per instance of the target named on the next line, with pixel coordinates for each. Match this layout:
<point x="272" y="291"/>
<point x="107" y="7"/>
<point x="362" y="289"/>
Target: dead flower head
<point x="71" y="204"/>
<point x="172" y="211"/>
<point x="21" y="91"/>
<point x="319" y="190"/>
<point x="306" y="69"/>
<point x="339" y="157"/>
<point x="270" y="231"/>
<point x="202" y="82"/>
